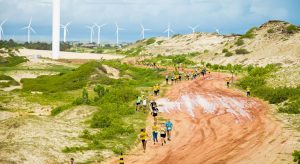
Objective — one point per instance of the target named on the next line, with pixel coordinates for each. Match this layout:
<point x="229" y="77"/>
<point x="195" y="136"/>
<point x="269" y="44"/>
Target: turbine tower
<point x="91" y="32"/>
<point x="55" y="28"/>
<point x="117" y="32"/>
<point x="169" y="30"/>
<point x="66" y="30"/>
<point x="193" y="28"/>
<point x="143" y="31"/>
<point x="99" y="32"/>
<point x="29" y="29"/>
<point x="1" y="29"/>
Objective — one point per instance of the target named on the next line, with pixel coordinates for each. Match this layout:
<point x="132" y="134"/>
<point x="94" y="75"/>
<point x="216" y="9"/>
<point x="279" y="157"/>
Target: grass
<point x="239" y="42"/>
<point x="249" y="34"/>
<point x="296" y="155"/>
<point x="241" y="51"/>
<point x="172" y="60"/>
<point x="228" y="54"/>
<point x="291" y="29"/>
<point x="11" y="61"/>
<point x="270" y="31"/>
<point x="150" y="41"/>
<point x="73" y="80"/>
<point x="10" y="81"/>
<point x="256" y="80"/>
<point x="116" y="124"/>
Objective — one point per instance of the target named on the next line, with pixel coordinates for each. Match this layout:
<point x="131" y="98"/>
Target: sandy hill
<point x="273" y="42"/>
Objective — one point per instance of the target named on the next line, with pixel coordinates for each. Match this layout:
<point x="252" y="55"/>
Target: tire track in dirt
<point x="213" y="124"/>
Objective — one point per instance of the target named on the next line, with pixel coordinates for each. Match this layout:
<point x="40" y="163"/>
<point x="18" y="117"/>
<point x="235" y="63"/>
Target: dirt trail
<point x="214" y="124"/>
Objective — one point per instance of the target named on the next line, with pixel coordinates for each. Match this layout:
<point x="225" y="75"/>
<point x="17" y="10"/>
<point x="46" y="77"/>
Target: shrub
<point x="150" y="41"/>
<point x="291" y="107"/>
<point x="296" y="155"/>
<point x="60" y="109"/>
<point x="241" y="51"/>
<point x="239" y="42"/>
<point x="228" y="54"/>
<point x="291" y="29"/>
<point x="249" y="34"/>
<point x="270" y="31"/>
<point x="160" y="42"/>
<point x="224" y="50"/>
<point x="206" y="51"/>
<point x="100" y="90"/>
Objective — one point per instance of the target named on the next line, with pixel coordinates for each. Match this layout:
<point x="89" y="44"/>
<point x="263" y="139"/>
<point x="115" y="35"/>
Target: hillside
<point x="276" y="42"/>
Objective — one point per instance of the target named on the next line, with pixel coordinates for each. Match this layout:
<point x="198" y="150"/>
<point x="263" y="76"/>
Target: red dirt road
<point x="214" y="124"/>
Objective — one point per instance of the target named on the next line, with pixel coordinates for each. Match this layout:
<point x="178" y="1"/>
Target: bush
<point x="291" y="107"/>
<point x="60" y="109"/>
<point x="239" y="42"/>
<point x="241" y="51"/>
<point x="228" y="54"/>
<point x="150" y="41"/>
<point x="270" y="31"/>
<point x="249" y="34"/>
<point x="11" y="81"/>
<point x="206" y="51"/>
<point x="224" y="50"/>
<point x="296" y="155"/>
<point x="291" y="29"/>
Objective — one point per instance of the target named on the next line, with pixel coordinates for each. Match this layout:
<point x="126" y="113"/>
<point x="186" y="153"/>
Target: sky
<point x="229" y="16"/>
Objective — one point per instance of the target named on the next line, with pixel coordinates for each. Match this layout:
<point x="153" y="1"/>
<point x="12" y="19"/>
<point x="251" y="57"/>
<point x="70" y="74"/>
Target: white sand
<point x="29" y="53"/>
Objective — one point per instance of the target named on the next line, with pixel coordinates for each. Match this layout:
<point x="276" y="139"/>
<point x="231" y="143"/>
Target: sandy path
<point x="213" y="124"/>
<point x="69" y="55"/>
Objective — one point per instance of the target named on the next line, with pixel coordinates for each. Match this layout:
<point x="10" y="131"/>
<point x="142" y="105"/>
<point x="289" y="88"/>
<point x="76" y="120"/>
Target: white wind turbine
<point x="143" y="31"/>
<point x="169" y="30"/>
<point x="194" y="28"/>
<point x="117" y="32"/>
<point x="29" y="29"/>
<point x="1" y="29"/>
<point x="99" y="32"/>
<point x="55" y="28"/>
<point x="66" y="30"/>
<point x="91" y="32"/>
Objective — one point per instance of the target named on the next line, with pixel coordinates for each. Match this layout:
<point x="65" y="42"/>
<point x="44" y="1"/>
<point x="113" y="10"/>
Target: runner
<point x="169" y="126"/>
<point x="163" y="134"/>
<point x="248" y="91"/>
<point x="72" y="161"/>
<point x="138" y="103"/>
<point x="179" y="77"/>
<point x="155" y="132"/>
<point x="167" y="79"/>
<point x="155" y="90"/>
<point x="144" y="104"/>
<point x="154" y="113"/>
<point x="143" y="137"/>
<point x="227" y="82"/>
<point x="121" y="159"/>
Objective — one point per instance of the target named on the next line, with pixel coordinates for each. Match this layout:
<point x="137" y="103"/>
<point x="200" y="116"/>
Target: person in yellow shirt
<point x="248" y="91"/>
<point x="121" y="159"/>
<point x="227" y="82"/>
<point x="155" y="90"/>
<point x="163" y="134"/>
<point x="158" y="88"/>
<point x="154" y="132"/>
<point x="143" y="137"/>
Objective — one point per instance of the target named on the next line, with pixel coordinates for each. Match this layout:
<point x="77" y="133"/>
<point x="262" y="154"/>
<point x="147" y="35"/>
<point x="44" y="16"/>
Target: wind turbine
<point x="91" y="32"/>
<point x="217" y="31"/>
<point x="194" y="28"/>
<point x="66" y="31"/>
<point x="117" y="32"/>
<point x="168" y="30"/>
<point x="143" y="31"/>
<point x="1" y="29"/>
<point x="55" y="28"/>
<point x="29" y="29"/>
<point x="99" y="32"/>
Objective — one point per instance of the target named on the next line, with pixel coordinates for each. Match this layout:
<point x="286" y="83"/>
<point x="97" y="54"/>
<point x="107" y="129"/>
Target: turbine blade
<point x="3" y="22"/>
<point x="32" y="30"/>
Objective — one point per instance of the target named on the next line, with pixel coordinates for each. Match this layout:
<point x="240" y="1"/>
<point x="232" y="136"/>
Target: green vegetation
<point x="239" y="42"/>
<point x="160" y="42"/>
<point x="133" y="51"/>
<point x="11" y="60"/>
<point x="256" y="80"/>
<point x="249" y="34"/>
<point x="291" y="29"/>
<point x="73" y="80"/>
<point x="176" y="35"/>
<point x="241" y="51"/>
<point x="116" y="124"/>
<point x="45" y="46"/>
<point x="205" y="51"/>
<point x="296" y="155"/>
<point x="9" y="49"/>
<point x="150" y="41"/>
<point x="8" y="81"/>
<point x="224" y="50"/>
<point x="270" y="31"/>
<point x="228" y="54"/>
<point x="171" y="60"/>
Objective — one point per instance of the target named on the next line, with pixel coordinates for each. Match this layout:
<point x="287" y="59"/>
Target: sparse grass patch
<point x="150" y="41"/>
<point x="249" y="34"/>
<point x="270" y="31"/>
<point x="239" y="42"/>
<point x="224" y="50"/>
<point x="291" y="29"/>
<point x="228" y="54"/>
<point x="241" y="51"/>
